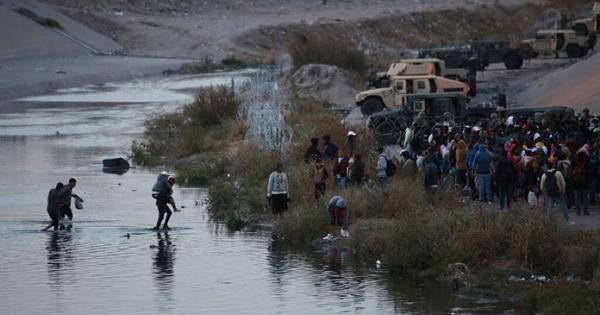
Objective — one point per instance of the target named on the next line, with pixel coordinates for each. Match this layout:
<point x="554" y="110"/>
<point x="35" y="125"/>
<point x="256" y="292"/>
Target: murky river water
<point x="197" y="268"/>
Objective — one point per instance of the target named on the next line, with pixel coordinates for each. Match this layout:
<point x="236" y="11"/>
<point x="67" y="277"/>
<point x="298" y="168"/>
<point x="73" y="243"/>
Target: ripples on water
<point x="197" y="267"/>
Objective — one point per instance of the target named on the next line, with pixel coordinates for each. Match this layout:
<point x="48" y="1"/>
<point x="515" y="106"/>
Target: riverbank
<point x="26" y="77"/>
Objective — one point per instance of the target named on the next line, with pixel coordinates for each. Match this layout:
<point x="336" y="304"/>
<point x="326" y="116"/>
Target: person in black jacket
<point x="506" y="177"/>
<point x="312" y="153"/>
<point x="330" y="150"/>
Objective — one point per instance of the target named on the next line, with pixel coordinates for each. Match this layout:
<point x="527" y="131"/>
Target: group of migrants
<point x="547" y="158"/>
<point x="61" y="215"/>
<point x="59" y="205"/>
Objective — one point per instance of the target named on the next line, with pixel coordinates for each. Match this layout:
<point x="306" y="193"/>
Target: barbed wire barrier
<point x="262" y="110"/>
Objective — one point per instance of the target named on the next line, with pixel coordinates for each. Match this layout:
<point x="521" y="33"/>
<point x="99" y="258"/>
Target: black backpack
<point x="551" y="184"/>
<point x="390" y="169"/>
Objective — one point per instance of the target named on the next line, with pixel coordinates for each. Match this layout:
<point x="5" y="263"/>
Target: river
<point x="198" y="267"/>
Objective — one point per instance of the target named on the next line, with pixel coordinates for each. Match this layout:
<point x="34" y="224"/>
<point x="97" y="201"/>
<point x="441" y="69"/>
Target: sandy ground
<point x="200" y="29"/>
<point x="577" y="86"/>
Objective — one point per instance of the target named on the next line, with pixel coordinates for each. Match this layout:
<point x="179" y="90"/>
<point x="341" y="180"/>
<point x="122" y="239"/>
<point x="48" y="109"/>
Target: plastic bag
<point x="78" y="203"/>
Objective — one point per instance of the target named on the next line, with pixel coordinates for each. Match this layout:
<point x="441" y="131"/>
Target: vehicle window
<point x="400" y="85"/>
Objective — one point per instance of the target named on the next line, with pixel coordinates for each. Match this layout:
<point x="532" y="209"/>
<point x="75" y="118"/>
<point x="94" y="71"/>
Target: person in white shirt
<point x="277" y="191"/>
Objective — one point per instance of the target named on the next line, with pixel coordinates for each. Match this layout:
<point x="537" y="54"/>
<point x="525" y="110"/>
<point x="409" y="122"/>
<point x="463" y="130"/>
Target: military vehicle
<point x="439" y="67"/>
<point x="588" y="27"/>
<point x="402" y="80"/>
<point x="554" y="42"/>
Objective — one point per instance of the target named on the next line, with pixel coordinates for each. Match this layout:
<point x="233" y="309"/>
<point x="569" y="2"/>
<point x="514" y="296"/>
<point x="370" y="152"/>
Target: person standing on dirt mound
<point x="162" y="191"/>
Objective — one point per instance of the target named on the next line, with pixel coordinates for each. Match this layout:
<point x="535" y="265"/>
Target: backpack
<point x="551" y="184"/>
<point x="390" y="170"/>
<point x="564" y="168"/>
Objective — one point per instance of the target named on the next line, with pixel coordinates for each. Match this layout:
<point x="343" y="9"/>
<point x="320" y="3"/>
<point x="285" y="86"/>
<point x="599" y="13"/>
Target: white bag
<point x="78" y="203"/>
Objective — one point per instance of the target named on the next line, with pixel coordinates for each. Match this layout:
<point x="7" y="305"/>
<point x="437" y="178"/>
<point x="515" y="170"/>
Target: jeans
<point x="505" y="192"/>
<point x="485" y="187"/>
<point x="341" y="183"/>
<point x="562" y="203"/>
<point x="382" y="181"/>
<point x="320" y="189"/>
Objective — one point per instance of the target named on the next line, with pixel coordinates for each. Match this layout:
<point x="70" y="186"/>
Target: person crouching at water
<point x="64" y="202"/>
<point x="337" y="210"/>
<point x="277" y="191"/>
<point x="53" y="208"/>
<point x="162" y="191"/>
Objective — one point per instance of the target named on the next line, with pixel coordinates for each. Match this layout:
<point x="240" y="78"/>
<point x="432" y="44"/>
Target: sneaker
<point x="155" y="228"/>
<point x="570" y="222"/>
<point x="328" y="237"/>
<point x="166" y="228"/>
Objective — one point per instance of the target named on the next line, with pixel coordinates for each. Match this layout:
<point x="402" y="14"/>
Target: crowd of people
<point x="547" y="158"/>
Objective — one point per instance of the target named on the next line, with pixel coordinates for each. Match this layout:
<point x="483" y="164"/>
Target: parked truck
<point x="405" y="79"/>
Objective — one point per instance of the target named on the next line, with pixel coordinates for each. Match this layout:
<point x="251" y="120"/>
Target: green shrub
<point x="302" y="224"/>
<point x="211" y="107"/>
<point x="234" y="63"/>
<point x="559" y="299"/>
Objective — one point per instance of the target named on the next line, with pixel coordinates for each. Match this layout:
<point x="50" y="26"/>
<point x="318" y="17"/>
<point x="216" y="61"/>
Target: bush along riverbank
<point x="452" y="239"/>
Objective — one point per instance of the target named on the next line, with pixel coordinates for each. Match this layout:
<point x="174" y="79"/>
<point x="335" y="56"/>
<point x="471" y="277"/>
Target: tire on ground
<point x="574" y="51"/>
<point x="371" y="106"/>
<point x="513" y="61"/>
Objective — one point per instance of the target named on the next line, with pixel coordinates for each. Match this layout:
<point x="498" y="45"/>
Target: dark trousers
<point x="55" y="217"/>
<point x="581" y="200"/>
<point x="163" y="208"/>
<point x="66" y="211"/>
<point x="320" y="189"/>
<point x="505" y="193"/>
<point x="461" y="178"/>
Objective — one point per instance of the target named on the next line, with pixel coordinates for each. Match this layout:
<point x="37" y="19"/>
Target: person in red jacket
<point x="340" y="169"/>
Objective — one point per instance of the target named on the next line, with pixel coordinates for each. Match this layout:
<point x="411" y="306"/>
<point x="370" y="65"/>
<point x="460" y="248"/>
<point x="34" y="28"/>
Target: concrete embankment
<point x="36" y="59"/>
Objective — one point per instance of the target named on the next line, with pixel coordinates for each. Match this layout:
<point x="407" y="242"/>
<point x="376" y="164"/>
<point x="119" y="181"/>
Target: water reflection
<point x="164" y="263"/>
<point x="60" y="257"/>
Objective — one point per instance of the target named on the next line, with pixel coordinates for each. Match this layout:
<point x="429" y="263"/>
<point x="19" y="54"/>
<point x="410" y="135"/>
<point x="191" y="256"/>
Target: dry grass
<point x="329" y="49"/>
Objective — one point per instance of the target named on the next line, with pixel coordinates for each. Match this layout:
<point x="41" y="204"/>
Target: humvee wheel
<point x="574" y="51"/>
<point x="371" y="106"/>
<point x="513" y="61"/>
<point x="592" y="41"/>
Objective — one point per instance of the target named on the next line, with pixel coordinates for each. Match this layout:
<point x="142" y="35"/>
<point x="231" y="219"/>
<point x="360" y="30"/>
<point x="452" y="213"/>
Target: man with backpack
<point x="553" y="186"/>
<point x="385" y="167"/>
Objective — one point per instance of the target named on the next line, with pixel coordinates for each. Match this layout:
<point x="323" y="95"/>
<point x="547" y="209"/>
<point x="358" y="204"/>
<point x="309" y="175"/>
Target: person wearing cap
<point x="277" y="191"/>
<point x="350" y="142"/>
<point x="337" y="209"/>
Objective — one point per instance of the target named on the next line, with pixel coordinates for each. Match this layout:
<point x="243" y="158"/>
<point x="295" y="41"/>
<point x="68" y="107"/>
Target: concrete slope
<point x="21" y="37"/>
<point x="577" y="86"/>
<point x="99" y="42"/>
